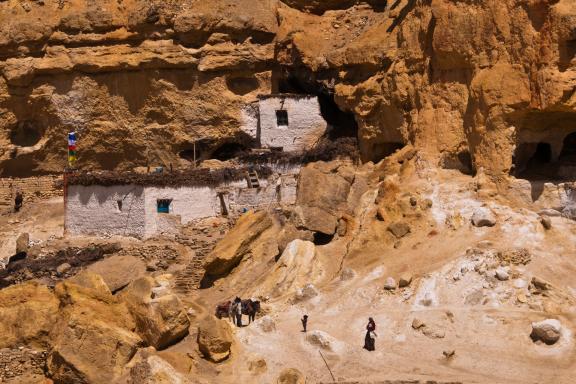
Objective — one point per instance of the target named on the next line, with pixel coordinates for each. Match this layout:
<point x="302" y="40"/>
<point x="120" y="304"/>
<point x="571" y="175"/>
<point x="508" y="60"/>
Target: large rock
<point x="93" y="340"/>
<point x="214" y="339"/>
<point x="296" y="267"/>
<point x="119" y="271"/>
<point x="291" y="376"/>
<point x="483" y="217"/>
<point x="229" y="252"/>
<point x="161" y="319"/>
<point x="22" y="243"/>
<point x="27" y="314"/>
<point x="148" y="368"/>
<point x="547" y="331"/>
<point x="323" y="190"/>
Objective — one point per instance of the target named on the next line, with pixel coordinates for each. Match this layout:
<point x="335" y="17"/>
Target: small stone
<point x="449" y="353"/>
<point x="546" y="222"/>
<point x="347" y="274"/>
<point x="522" y="298"/>
<point x="390" y="284"/>
<point x="63" y="268"/>
<point x="267" y="324"/>
<point x="540" y="284"/>
<point x="405" y="280"/>
<point x="483" y="217"/>
<point x="417" y="323"/>
<point x="413" y="201"/>
<point x="550" y="212"/>
<point x="547" y="331"/>
<point x="399" y="229"/>
<point x="520" y="283"/>
<point x="501" y="274"/>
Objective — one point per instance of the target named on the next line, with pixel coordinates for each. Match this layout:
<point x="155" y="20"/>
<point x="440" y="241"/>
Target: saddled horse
<point x="250" y="307"/>
<point x="223" y="309"/>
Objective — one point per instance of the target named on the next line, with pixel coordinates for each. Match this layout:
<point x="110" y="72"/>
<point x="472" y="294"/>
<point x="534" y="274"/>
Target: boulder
<point x="502" y="274"/>
<point x="399" y="229"/>
<point x="547" y="331"/>
<point x="214" y="339"/>
<point x="546" y="222"/>
<point x="22" y="243"/>
<point x="417" y="323"/>
<point x="307" y="292"/>
<point x="291" y="376"/>
<point x="550" y="212"/>
<point x="27" y="313"/>
<point x="541" y="284"/>
<point x="257" y="365"/>
<point x="323" y="190"/>
<point x="390" y="284"/>
<point x="320" y="339"/>
<point x="483" y="217"/>
<point x="148" y="368"/>
<point x="405" y="280"/>
<point x="161" y="319"/>
<point x="266" y="324"/>
<point x="63" y="268"/>
<point x="229" y="252"/>
<point x="119" y="271"/>
<point x="93" y="340"/>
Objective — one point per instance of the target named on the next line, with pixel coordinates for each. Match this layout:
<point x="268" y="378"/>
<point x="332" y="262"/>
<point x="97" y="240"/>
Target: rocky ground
<point x="466" y="285"/>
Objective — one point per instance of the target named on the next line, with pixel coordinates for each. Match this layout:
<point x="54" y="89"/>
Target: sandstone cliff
<point x="470" y="84"/>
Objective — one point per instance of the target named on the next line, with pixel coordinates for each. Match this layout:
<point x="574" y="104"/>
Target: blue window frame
<point x="163" y="205"/>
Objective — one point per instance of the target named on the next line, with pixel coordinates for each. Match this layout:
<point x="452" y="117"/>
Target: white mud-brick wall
<point x="95" y="210"/>
<point x="289" y="186"/>
<point x="305" y="122"/>
<point x="188" y="203"/>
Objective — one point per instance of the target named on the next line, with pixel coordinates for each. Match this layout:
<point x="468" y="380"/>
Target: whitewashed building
<point x="145" y="209"/>
<point x="285" y="121"/>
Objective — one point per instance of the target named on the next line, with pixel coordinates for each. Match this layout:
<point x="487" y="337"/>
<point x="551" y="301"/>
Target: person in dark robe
<point x="369" y="339"/>
<point x="304" y="321"/>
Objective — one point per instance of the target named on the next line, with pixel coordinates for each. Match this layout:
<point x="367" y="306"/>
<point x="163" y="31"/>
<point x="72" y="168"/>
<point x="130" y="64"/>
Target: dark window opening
<point x="163" y="205"/>
<point x="282" y="118"/>
<point x="119" y="205"/>
<point x="568" y="153"/>
<point x="322" y="238"/>
<point x="542" y="155"/>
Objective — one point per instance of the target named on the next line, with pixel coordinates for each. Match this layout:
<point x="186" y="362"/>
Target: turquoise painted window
<point x="163" y="205"/>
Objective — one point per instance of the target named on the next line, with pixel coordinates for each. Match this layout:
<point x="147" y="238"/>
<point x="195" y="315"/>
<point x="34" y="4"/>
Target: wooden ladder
<point x="252" y="178"/>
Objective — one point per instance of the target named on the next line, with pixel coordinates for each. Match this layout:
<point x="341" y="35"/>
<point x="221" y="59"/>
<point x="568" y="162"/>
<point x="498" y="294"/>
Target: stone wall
<point x="187" y="202"/>
<point x="95" y="210"/>
<point x="34" y="188"/>
<point x="305" y="122"/>
<point x="17" y="362"/>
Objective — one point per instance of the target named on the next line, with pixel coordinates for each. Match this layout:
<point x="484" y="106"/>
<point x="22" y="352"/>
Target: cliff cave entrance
<point x="532" y="160"/>
<point x="568" y="153"/>
<point x="229" y="151"/>
<point x="26" y="134"/>
<point x="380" y="151"/>
<point x="340" y="123"/>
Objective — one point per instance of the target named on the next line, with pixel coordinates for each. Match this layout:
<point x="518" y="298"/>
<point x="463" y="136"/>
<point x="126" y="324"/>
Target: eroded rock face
<point x="470" y="85"/>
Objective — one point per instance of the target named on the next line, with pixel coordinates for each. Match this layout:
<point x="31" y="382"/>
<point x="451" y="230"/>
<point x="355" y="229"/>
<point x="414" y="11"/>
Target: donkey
<point x="250" y="307"/>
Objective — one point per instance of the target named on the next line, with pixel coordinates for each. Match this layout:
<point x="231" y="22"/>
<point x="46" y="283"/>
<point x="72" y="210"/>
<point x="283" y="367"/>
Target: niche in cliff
<point x="26" y="133"/>
<point x="242" y="85"/>
<point x="340" y="123"/>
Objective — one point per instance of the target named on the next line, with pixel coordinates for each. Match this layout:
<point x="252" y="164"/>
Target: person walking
<point x="304" y="321"/>
<point x="369" y="340"/>
<point x="18" y="200"/>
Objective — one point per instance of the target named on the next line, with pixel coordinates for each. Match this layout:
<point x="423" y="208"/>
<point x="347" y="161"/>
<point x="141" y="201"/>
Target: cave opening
<point x="26" y="134"/>
<point x="322" y="238"/>
<point x="533" y="160"/>
<point x="229" y="151"/>
<point x="461" y="161"/>
<point x="340" y="123"/>
<point x="568" y="153"/>
<point x="382" y="150"/>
